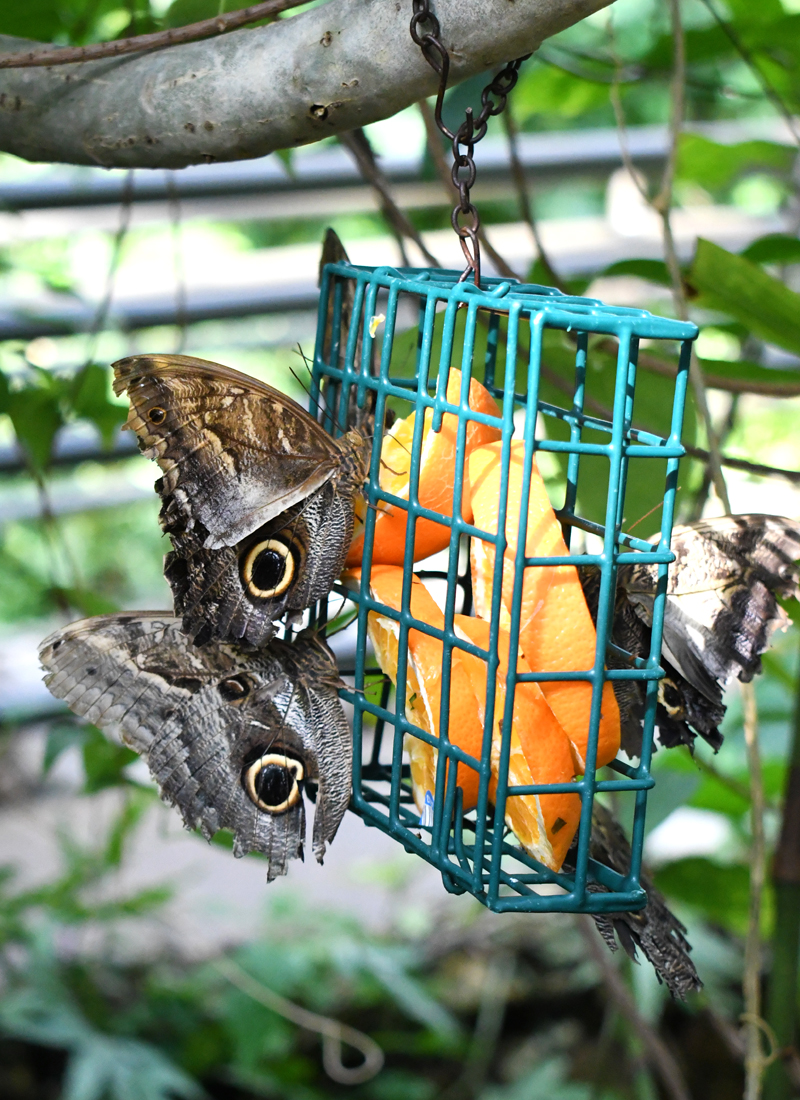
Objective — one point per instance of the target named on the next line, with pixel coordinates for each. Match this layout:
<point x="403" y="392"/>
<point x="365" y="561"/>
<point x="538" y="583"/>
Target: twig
<point x="652" y="363"/>
<point x="521" y="185"/>
<point x="177" y="260"/>
<point x="488" y="1027"/>
<point x="782" y="1013"/>
<point x="101" y="314"/>
<point x="656" y="1051"/>
<point x="333" y="1032"/>
<point x="192" y="32"/>
<point x="358" y="144"/>
<point x="754" y="1061"/>
<point x="435" y="149"/>
<point x="769" y="89"/>
<point x="662" y="204"/>
<point x="605" y="413"/>
<point x="741" y="790"/>
<point x="757" y="468"/>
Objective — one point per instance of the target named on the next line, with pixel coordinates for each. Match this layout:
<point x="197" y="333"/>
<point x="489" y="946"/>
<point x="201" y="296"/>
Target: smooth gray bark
<point x="245" y="94"/>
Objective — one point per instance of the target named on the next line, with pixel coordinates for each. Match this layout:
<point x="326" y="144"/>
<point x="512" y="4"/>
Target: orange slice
<point x="437" y="472"/>
<point x="424" y="683"/>
<point x="556" y="630"/>
<point x="540" y="752"/>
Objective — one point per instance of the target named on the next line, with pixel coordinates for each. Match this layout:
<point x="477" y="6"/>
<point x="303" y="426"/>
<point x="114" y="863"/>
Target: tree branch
<point x="358" y="144"/>
<point x="47" y="56"/>
<point x="333" y="68"/>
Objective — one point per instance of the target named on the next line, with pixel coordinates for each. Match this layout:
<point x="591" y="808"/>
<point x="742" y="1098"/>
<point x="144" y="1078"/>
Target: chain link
<point x="469" y="133"/>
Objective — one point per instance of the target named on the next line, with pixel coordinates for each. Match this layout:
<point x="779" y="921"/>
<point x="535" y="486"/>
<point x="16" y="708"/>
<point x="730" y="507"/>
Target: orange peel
<point x="540" y="752"/>
<point x="556" y="629"/>
<point x="544" y="824"/>
<point x="437" y="470"/>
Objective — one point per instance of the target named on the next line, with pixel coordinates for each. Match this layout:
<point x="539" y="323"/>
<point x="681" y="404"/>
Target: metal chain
<point x="469" y="133"/>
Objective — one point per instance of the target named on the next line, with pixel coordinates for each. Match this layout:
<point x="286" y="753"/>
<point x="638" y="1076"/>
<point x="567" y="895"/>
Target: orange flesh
<point x="424" y="683"/>
<point x="556" y="630"/>
<point x="436" y="477"/>
<point x="540" y="752"/>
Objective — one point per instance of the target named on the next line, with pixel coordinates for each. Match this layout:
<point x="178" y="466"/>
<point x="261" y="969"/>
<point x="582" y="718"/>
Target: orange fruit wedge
<point x="540" y="750"/>
<point x="544" y="824"/>
<point x="424" y="683"/>
<point x="437" y="471"/>
<point x="556" y="629"/>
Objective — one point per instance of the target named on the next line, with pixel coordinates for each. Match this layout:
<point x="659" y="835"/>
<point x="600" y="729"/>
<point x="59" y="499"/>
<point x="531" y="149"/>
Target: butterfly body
<point x="242" y="465"/>
<point x="230" y="737"/>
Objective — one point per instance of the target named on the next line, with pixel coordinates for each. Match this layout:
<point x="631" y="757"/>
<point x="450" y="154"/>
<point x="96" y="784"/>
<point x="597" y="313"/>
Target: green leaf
<point x="715" y="166"/>
<point x="774" y="248"/>
<point x="35" y="412"/>
<point x="655" y="271"/>
<point x="87" y="602"/>
<point x="712" y="794"/>
<point x="740" y="288"/>
<point x="60" y="737"/>
<point x="645" y="484"/>
<point x="90" y="399"/>
<point x="742" y="370"/>
<point x="104" y="762"/>
<point x="545" y="89"/>
<point x="137" y="802"/>
<point x="745" y="12"/>
<point x="110" y="1068"/>
<point x="182" y="12"/>
<point x="720" y="891"/>
<point x="287" y="156"/>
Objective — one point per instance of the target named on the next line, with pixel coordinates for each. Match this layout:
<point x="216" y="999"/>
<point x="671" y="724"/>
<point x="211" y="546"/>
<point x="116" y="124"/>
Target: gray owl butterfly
<point x="230" y="738"/>
<point x="257" y="498"/>
<point x="720" y="612"/>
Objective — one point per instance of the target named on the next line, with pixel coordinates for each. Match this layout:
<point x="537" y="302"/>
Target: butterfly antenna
<point x="301" y="383"/>
<point x="655" y="508"/>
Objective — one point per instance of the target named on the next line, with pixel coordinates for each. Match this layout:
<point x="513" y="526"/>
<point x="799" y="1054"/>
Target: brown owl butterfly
<point x="257" y="498"/>
<point x="230" y="737"/>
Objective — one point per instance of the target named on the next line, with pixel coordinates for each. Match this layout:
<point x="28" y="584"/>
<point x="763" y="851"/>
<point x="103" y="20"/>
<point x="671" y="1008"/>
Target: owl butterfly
<point x="257" y="498"/>
<point x="720" y="612"/>
<point x="230" y="738"/>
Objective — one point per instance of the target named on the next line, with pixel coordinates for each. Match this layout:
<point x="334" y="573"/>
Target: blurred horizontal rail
<point x="547" y="156"/>
<point x="73" y="317"/>
<point x="555" y="155"/>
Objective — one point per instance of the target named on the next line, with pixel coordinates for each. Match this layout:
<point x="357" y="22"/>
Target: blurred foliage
<point x="81" y="1020"/>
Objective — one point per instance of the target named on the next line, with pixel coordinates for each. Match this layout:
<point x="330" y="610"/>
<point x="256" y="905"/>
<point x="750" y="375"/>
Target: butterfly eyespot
<point x="272" y="782"/>
<point x="157" y="415"/>
<point x="268" y="568"/>
<point x="234" y="689"/>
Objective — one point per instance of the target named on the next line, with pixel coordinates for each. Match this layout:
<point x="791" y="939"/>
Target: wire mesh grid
<point x="361" y="321"/>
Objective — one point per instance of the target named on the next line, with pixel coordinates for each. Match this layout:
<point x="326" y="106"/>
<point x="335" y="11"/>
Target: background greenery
<point x="463" y="1004"/>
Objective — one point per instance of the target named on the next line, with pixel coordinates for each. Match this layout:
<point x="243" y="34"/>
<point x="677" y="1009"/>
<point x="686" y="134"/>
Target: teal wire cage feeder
<point x="398" y="333"/>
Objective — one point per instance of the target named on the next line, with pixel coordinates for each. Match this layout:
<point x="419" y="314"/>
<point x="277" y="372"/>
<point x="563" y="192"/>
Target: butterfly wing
<point x="721" y="610"/>
<point x="240" y="592"/>
<point x="722" y="607"/>
<point x="234" y="452"/>
<point x="230" y="738"/>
